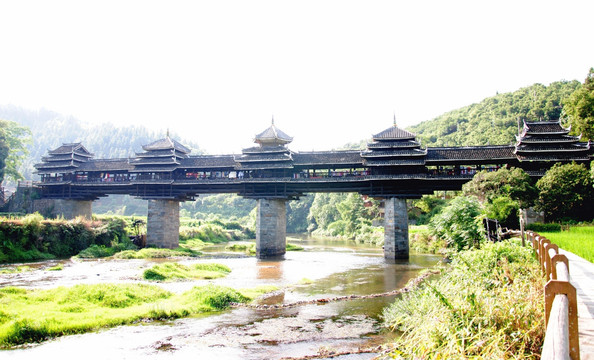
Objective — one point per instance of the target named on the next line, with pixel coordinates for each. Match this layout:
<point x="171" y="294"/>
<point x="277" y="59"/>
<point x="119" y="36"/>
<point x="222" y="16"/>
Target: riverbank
<point x="488" y="304"/>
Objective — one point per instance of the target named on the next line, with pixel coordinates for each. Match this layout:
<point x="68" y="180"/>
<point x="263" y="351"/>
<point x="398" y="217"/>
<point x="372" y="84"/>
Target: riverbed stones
<point x="395" y="229"/>
<point x="271" y="228"/>
<point x="162" y="227"/>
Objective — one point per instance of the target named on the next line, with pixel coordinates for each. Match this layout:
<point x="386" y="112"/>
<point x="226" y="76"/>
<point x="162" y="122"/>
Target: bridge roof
<point x="472" y="154"/>
<point x="394" y="133"/>
<point x="166" y="144"/>
<point x="272" y="135"/>
<point x="348" y="157"/>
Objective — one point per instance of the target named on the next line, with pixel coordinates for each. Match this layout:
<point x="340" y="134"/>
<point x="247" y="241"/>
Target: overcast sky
<point x="330" y="72"/>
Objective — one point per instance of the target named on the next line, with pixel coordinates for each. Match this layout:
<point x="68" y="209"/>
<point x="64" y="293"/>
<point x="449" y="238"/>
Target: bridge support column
<point x="395" y="229"/>
<point x="162" y="225"/>
<point x="271" y="228"/>
<point x="70" y="209"/>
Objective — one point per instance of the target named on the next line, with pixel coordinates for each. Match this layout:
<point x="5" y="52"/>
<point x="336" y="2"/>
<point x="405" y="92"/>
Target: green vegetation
<point x="250" y="248"/>
<point x="15" y="270"/>
<point x="346" y="216"/>
<point x="57" y="267"/>
<point x="156" y="253"/>
<point x="579" y="108"/>
<point x="488" y="304"/>
<point x="13" y="150"/>
<point x="458" y="223"/>
<point x="175" y="271"/>
<point x="577" y="239"/>
<point x="494" y="120"/>
<point x="566" y="192"/>
<point x="423" y="242"/>
<point x="37" y="315"/>
<point x="33" y="238"/>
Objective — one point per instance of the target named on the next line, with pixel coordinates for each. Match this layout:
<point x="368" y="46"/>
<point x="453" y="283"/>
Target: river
<point x="323" y="270"/>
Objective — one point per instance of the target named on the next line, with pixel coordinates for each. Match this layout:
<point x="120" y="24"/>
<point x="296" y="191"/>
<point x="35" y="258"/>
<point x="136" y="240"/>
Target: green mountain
<point x="50" y="129"/>
<point x="494" y="121"/>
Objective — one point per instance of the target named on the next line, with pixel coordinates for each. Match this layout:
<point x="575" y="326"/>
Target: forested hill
<point x="494" y="121"/>
<point x="50" y="129"/>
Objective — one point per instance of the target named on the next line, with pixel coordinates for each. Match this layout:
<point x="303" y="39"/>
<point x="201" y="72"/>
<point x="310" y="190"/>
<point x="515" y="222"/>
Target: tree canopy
<point x="494" y="121"/>
<point x="579" y="108"/>
<point x="13" y="149"/>
<point x="514" y="183"/>
<point x="566" y="191"/>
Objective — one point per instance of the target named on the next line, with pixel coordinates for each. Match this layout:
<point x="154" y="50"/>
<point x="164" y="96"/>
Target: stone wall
<point x="395" y="229"/>
<point x="162" y="228"/>
<point x="271" y="228"/>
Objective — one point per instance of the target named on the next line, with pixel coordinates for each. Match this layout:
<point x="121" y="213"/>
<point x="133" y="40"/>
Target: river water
<point x="323" y="270"/>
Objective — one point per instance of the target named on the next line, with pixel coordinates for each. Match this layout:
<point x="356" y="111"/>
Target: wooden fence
<point x="562" y="337"/>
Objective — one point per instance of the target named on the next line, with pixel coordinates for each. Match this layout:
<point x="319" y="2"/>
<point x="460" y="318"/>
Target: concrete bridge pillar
<point x="271" y="228"/>
<point x="395" y="229"/>
<point x="70" y="209"/>
<point x="162" y="225"/>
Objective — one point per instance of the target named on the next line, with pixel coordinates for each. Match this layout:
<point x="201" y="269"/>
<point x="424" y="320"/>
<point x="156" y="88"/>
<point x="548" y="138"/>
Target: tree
<point x="458" y="223"/>
<point x="566" y="192"/>
<point x="579" y="108"/>
<point x="13" y="150"/>
<point x="513" y="183"/>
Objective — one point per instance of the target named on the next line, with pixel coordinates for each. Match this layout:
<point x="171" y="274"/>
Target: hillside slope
<point x="494" y="121"/>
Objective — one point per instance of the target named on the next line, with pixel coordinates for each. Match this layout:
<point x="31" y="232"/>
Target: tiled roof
<point x="555" y="157"/>
<point x="106" y="165"/>
<point x="474" y="153"/>
<point x="393" y="144"/>
<point x="398" y="162"/>
<point x="154" y="161"/>
<point x="265" y="149"/>
<point x="77" y="148"/>
<point x="551" y="127"/>
<point x="208" y="161"/>
<point x="262" y="166"/>
<point x="393" y="133"/>
<point x="349" y="157"/>
<point x="165" y="144"/>
<point x="264" y="157"/>
<point x="272" y="134"/>
<point x="394" y="153"/>
<point x="558" y="148"/>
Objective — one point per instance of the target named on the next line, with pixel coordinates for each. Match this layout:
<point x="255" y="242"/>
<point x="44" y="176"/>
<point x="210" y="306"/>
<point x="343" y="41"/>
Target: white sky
<point x="330" y="72"/>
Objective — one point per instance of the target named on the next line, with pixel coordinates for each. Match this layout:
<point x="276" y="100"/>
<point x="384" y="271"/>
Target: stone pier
<point x="162" y="227"/>
<point x="395" y="229"/>
<point x="271" y="228"/>
<point x="71" y="209"/>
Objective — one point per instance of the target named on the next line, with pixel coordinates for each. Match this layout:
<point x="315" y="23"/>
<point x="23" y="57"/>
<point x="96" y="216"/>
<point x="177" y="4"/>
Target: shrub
<point x="540" y="227"/>
<point x="458" y="223"/>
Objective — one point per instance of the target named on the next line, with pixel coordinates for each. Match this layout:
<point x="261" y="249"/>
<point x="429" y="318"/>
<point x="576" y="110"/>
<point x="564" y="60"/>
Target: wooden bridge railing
<point x="562" y="336"/>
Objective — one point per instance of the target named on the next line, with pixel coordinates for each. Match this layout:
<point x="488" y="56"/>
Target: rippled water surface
<point x="323" y="270"/>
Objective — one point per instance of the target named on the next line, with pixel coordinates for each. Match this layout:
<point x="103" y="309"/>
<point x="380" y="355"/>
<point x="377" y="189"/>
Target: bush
<point x="33" y="238"/>
<point x="458" y="223"/>
<point x="540" y="227"/>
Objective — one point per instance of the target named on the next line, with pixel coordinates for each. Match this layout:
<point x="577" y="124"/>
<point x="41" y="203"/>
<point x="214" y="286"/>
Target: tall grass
<point x="36" y="315"/>
<point x="489" y="304"/>
<point x="578" y="240"/>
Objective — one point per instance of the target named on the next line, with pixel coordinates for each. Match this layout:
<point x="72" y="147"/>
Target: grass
<point x="15" y="270"/>
<point x="175" y="271"/>
<point x="488" y="304"/>
<point x="155" y="253"/>
<point x="57" y="267"/>
<point x="36" y="315"/>
<point x="250" y="248"/>
<point x="578" y="240"/>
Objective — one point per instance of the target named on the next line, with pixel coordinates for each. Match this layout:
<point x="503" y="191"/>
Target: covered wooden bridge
<point x="394" y="166"/>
